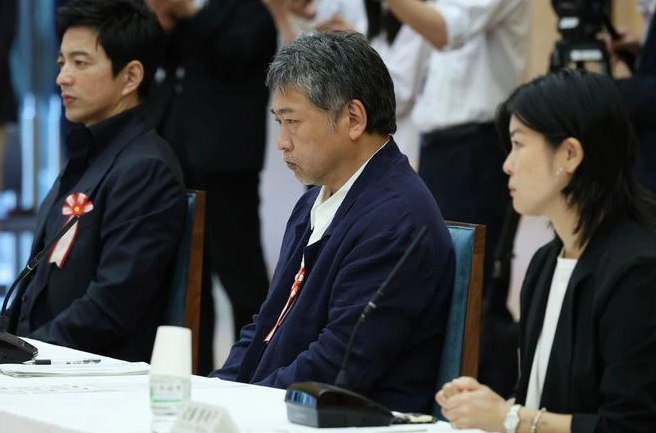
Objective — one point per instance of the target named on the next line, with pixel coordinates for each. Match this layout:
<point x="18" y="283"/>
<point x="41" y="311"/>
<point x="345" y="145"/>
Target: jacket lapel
<point x="268" y="316"/>
<point x="377" y="167"/>
<point x="554" y="394"/>
<point x="535" y="310"/>
<point x="88" y="184"/>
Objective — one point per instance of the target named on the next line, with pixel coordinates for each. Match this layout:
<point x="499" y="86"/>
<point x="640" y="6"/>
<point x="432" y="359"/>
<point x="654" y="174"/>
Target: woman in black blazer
<point x="588" y="304"/>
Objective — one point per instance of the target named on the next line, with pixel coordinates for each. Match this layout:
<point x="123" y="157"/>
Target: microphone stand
<point x="14" y="350"/>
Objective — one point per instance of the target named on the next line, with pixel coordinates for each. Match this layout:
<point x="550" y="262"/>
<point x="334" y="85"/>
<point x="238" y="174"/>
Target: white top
<point x="407" y="60"/>
<point x="561" y="276"/>
<point x="352" y="11"/>
<point x="324" y="208"/>
<point x="483" y="62"/>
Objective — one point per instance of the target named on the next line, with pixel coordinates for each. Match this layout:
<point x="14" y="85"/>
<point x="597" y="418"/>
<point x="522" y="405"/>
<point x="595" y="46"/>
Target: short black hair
<point x="589" y="107"/>
<point x="333" y="68"/>
<point x="127" y="31"/>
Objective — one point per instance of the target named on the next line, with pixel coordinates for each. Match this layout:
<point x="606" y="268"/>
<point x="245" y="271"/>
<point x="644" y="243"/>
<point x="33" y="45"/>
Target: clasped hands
<point x="468" y="404"/>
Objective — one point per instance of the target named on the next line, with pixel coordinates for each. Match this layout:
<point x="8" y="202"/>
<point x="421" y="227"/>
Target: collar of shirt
<point x="84" y="143"/>
<point x="324" y="208"/>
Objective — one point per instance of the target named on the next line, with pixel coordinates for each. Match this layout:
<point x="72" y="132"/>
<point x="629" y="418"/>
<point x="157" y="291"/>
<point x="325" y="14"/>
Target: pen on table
<point x="63" y="362"/>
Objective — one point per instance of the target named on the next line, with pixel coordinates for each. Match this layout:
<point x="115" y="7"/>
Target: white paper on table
<point x="101" y="369"/>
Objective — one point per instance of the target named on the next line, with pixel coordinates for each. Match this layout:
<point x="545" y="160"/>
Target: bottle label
<point x="168" y="394"/>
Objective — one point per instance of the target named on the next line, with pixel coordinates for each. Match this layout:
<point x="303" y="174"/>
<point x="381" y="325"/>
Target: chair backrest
<point x="184" y="294"/>
<point x="460" y="350"/>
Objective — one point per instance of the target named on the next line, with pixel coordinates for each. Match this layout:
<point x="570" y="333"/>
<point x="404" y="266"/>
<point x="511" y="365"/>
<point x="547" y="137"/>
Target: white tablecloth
<point x="121" y="403"/>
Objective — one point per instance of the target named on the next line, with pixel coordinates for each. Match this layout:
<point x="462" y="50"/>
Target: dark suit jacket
<point x="639" y="94"/>
<point x="212" y="103"/>
<point x="110" y="295"/>
<point x="602" y="367"/>
<point x="396" y="352"/>
<point x="8" y="20"/>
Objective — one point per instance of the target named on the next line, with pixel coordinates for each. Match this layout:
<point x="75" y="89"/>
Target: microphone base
<point x="320" y="405"/>
<point x="14" y="350"/>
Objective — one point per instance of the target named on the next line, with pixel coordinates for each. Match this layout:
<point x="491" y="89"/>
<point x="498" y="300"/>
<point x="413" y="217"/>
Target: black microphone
<point x="321" y="405"/>
<point x="14" y="350"/>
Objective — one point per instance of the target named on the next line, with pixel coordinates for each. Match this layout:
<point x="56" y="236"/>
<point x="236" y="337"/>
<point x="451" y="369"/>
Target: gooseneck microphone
<point x="342" y="378"/>
<point x="321" y="405"/>
<point x="12" y="348"/>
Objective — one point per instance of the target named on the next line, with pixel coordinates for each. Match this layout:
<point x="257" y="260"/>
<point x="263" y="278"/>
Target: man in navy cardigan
<point x="334" y="100"/>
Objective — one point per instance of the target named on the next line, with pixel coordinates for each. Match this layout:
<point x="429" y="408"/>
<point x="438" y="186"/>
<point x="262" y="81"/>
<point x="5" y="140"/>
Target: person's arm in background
<point x="448" y="24"/>
<point x="279" y="10"/>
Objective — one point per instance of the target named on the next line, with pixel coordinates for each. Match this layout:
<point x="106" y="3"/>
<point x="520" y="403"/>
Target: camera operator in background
<point x="639" y="91"/>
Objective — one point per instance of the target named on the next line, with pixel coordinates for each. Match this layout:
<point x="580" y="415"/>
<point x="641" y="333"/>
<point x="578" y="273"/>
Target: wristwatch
<point x="511" y="421"/>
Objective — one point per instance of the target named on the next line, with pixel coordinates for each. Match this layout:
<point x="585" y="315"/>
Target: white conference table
<point x="121" y="403"/>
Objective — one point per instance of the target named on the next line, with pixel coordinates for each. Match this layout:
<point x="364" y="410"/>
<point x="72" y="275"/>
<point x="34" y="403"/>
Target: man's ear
<point x="132" y="76"/>
<point x="357" y="118"/>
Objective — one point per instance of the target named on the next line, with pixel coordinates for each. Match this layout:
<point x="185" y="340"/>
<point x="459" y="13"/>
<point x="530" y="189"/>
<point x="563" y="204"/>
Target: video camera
<point x="581" y="20"/>
<point x="579" y="23"/>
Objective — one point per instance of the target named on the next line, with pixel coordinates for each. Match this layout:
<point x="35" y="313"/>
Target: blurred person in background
<point x="480" y="57"/>
<point x="295" y="17"/>
<point x="209" y="102"/>
<point x="406" y="55"/>
<point x="639" y="90"/>
<point x="8" y="105"/>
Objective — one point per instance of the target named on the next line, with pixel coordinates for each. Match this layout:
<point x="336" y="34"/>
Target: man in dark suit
<point x="639" y="92"/>
<point x="210" y="104"/>
<point x="7" y="98"/>
<point x="104" y="286"/>
<point x="334" y="100"/>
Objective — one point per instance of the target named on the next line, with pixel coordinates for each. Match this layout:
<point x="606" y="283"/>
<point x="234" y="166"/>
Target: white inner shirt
<point x="324" y="208"/>
<point x="483" y="62"/>
<point x="561" y="277"/>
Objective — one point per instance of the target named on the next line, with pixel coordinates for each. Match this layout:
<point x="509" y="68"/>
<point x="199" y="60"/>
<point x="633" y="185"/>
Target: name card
<point x="203" y="418"/>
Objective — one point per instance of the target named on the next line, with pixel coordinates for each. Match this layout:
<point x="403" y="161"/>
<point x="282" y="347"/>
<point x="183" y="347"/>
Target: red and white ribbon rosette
<point x="75" y="204"/>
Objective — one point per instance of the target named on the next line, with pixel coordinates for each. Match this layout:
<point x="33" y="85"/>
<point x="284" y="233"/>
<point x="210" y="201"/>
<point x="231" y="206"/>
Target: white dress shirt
<point x="559" y="282"/>
<point x="483" y="62"/>
<point x="324" y="208"/>
<point x="351" y="11"/>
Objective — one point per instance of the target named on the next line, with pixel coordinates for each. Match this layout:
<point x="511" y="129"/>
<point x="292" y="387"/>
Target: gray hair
<point x="334" y="68"/>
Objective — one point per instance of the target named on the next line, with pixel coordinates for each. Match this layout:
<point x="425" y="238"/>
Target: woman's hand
<point x="468" y="404"/>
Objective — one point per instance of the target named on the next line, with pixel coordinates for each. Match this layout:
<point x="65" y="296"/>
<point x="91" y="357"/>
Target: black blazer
<point x="602" y="367"/>
<point x="211" y="104"/>
<point x="8" y="20"/>
<point x="110" y="295"/>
